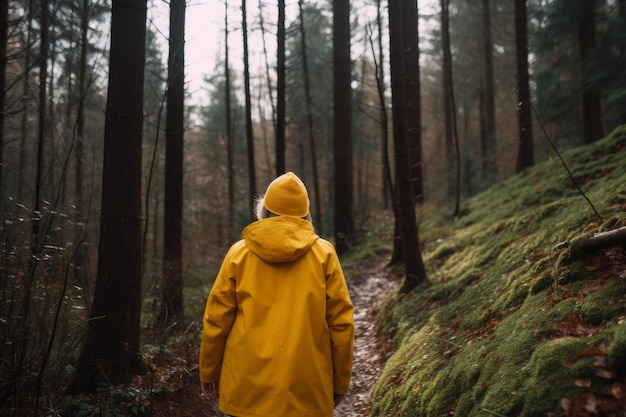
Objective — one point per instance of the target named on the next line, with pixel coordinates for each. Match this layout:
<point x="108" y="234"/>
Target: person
<point x="278" y="327"/>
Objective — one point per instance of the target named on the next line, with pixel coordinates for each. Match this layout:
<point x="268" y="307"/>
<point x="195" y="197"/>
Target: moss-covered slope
<point x="515" y="322"/>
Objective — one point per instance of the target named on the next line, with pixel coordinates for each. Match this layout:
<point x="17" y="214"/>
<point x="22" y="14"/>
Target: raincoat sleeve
<point x="219" y="314"/>
<point x="339" y="316"/>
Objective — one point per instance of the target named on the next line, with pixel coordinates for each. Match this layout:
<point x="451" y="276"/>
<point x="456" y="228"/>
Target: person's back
<point x="278" y="327"/>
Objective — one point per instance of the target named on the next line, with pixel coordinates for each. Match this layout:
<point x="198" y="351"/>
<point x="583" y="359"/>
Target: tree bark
<point x="406" y="235"/>
<point x="411" y="54"/>
<point x="384" y="126"/>
<point x="526" y="156"/>
<point x="172" y="278"/>
<point x="111" y="353"/>
<point x="342" y="97"/>
<point x="23" y="169"/>
<point x="453" y="152"/>
<point x="229" y="130"/>
<point x="280" y="93"/>
<point x="249" y="132"/>
<point x="488" y="136"/>
<point x="603" y="240"/>
<point x="317" y="215"/>
<point x="4" y="31"/>
<point x="80" y="261"/>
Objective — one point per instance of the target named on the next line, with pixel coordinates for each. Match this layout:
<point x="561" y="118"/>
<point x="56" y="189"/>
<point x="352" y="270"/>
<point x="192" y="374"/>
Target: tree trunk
<point x="526" y="156"/>
<point x="453" y="152"/>
<point x="172" y="282"/>
<point x="410" y="37"/>
<point x="229" y="131"/>
<point x="592" y="111"/>
<point x="446" y="68"/>
<point x="42" y="122"/>
<point x="342" y="96"/>
<point x="24" y="171"/>
<point x="280" y="101"/>
<point x="270" y="90"/>
<point x="111" y="353"/>
<point x="270" y="93"/>
<point x="249" y="133"/>
<point x="488" y="136"/>
<point x="80" y="261"/>
<point x="384" y="126"/>
<point x="406" y="227"/>
<point x="4" y="31"/>
<point x="397" y="105"/>
<point x="317" y="215"/>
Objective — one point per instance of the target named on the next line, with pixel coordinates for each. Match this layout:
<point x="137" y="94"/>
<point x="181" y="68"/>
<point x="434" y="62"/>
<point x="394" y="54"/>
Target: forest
<point x="460" y="155"/>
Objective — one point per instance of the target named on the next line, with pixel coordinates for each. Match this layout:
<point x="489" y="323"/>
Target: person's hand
<point x="338" y="398"/>
<point x="210" y="390"/>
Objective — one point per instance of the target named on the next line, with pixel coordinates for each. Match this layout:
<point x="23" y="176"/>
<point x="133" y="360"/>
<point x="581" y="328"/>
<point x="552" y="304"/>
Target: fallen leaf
<point x="585" y="383"/>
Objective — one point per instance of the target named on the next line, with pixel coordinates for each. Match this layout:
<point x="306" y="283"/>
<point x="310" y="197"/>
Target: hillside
<point x="516" y="320"/>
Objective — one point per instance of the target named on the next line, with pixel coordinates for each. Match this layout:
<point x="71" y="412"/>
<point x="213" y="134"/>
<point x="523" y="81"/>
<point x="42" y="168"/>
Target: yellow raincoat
<point x="278" y="326"/>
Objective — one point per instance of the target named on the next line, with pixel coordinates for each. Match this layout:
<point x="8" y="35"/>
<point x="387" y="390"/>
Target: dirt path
<point x="368" y="287"/>
<point x="371" y="285"/>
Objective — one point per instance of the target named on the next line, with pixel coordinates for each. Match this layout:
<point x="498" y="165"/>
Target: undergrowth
<point x="513" y="320"/>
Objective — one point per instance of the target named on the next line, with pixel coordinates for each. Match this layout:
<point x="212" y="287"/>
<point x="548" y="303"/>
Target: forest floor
<point x="369" y="283"/>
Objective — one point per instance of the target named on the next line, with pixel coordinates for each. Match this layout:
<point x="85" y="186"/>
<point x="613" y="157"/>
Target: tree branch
<point x="603" y="240"/>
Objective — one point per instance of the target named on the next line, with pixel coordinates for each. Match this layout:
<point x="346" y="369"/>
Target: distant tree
<point x="249" y="132"/>
<point x="488" y="114"/>
<point x="384" y="126"/>
<point x="4" y="33"/>
<point x="214" y="118"/>
<point x="453" y="152"/>
<point x="574" y="72"/>
<point x="317" y="212"/>
<point x="172" y="282"/>
<point x="25" y="110"/>
<point x="406" y="239"/>
<point x="280" y="91"/>
<point x="270" y="92"/>
<point x="307" y="110"/>
<point x="344" y="220"/>
<point x="592" y="110"/>
<point x="230" y="139"/>
<point x="526" y="156"/>
<point x="16" y="363"/>
<point x="111" y="353"/>
<point x="446" y="68"/>
<point x="268" y="77"/>
<point x="610" y="54"/>
<point x="42" y="123"/>
<point x="155" y="95"/>
<point x="80" y="262"/>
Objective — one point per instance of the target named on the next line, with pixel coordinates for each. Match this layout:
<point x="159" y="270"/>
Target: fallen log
<point x="603" y="240"/>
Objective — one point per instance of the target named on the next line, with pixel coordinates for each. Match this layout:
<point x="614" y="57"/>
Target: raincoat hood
<point x="280" y="239"/>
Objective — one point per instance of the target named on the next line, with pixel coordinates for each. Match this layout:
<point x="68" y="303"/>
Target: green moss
<point x="546" y="370"/>
<point x="617" y="349"/>
<point x="603" y="306"/>
<point x="511" y="323"/>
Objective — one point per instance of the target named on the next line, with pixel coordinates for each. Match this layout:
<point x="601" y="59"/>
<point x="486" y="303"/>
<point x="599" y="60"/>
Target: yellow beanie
<point x="287" y="196"/>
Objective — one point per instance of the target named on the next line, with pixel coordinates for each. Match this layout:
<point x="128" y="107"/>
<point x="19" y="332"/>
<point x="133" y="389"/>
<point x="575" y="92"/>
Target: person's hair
<point x="262" y="213"/>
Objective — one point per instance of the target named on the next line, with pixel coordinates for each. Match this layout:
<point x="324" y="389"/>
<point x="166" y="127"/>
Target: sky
<point x="204" y="34"/>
